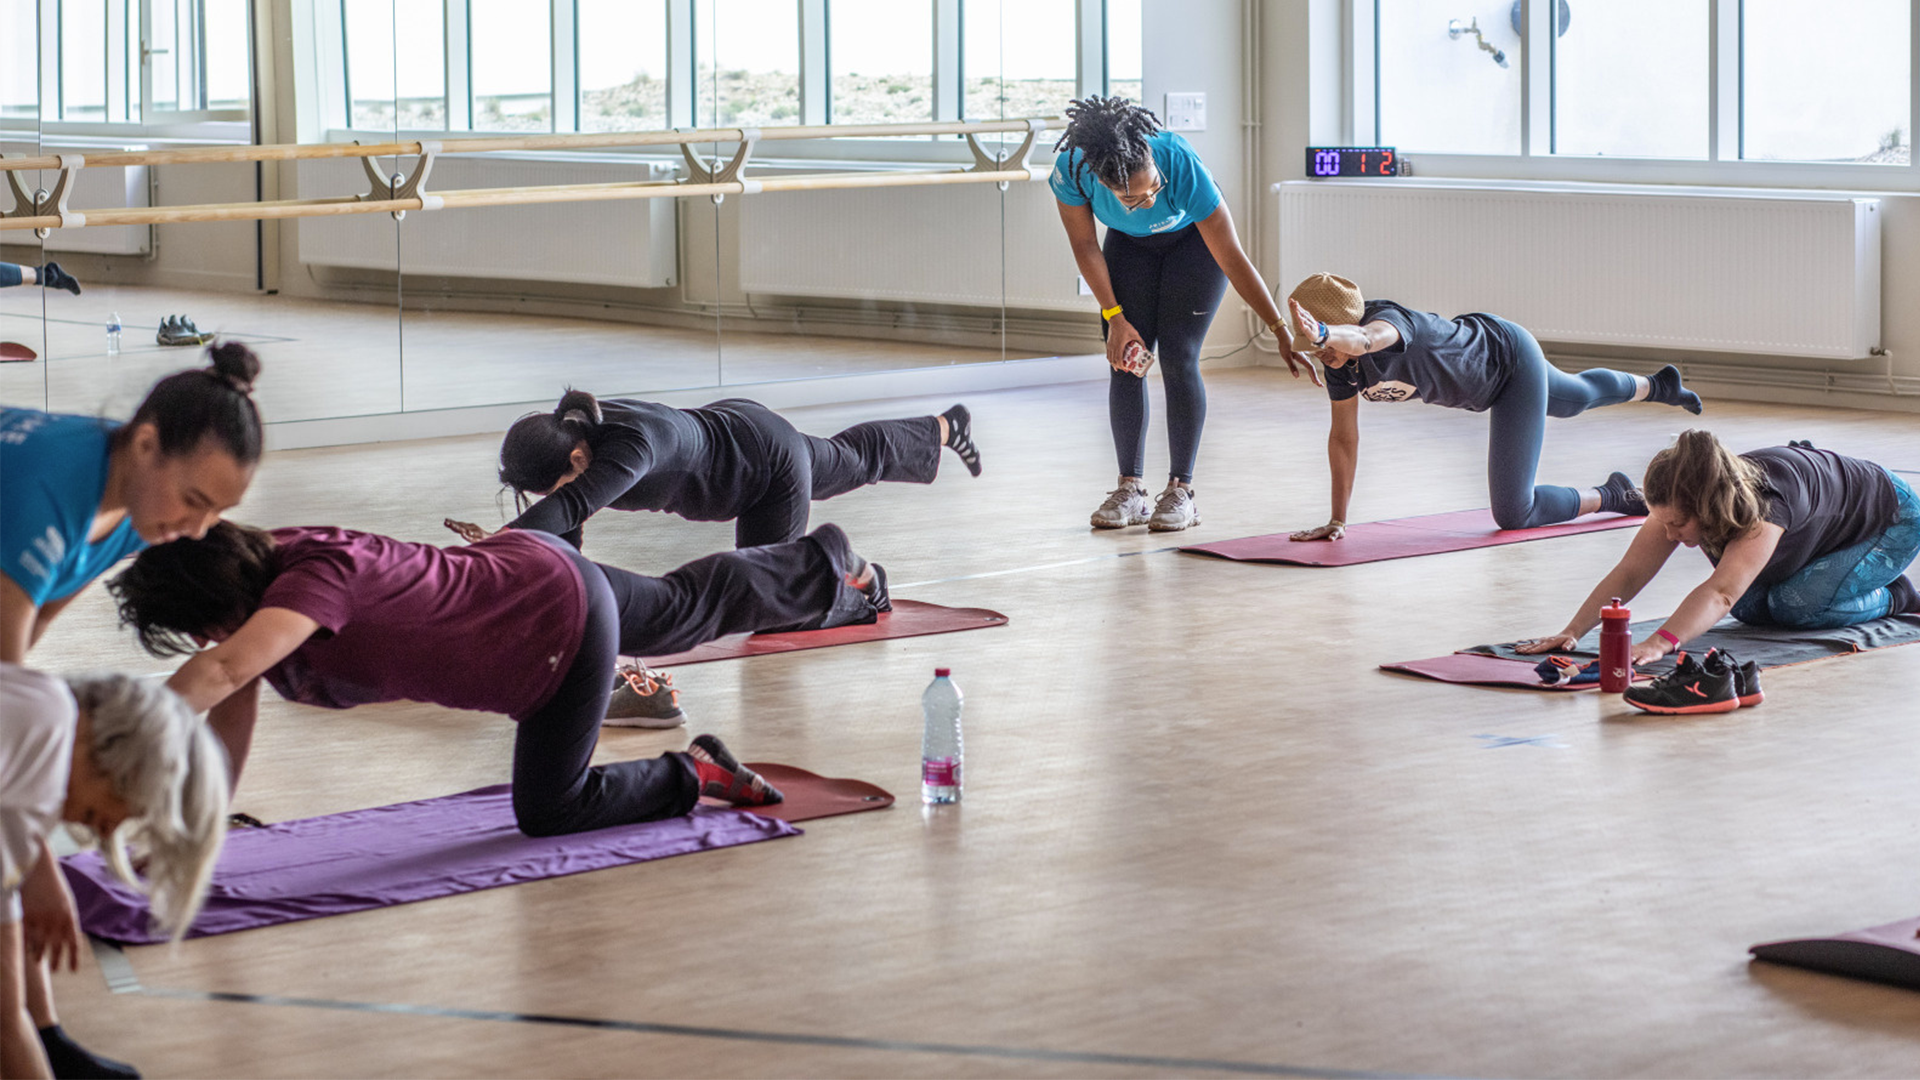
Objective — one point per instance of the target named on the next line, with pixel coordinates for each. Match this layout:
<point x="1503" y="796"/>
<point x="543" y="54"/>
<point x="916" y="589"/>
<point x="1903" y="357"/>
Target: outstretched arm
<point x="1708" y="603"/>
<point x="1217" y="230"/>
<point x="617" y="465"/>
<point x="1343" y="459"/>
<point x="267" y="637"/>
<point x="1644" y="557"/>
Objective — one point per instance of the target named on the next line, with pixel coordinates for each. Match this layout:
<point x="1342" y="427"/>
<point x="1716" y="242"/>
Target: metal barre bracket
<point x="43" y="203"/>
<point x="1001" y="162"/>
<point x="699" y="173"/>
<point x="402" y="185"/>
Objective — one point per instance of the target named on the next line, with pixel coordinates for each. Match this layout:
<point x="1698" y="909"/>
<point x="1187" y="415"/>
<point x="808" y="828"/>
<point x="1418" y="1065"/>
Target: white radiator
<point x="945" y="244"/>
<point x="1772" y="274"/>
<point x="627" y="242"/>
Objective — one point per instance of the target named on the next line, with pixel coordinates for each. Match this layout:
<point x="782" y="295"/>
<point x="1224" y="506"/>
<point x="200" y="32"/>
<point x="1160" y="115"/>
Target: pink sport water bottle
<point x="1616" y="648"/>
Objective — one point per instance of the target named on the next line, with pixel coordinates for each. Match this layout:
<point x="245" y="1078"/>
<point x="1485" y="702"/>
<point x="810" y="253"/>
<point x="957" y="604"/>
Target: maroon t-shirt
<point x="491" y="626"/>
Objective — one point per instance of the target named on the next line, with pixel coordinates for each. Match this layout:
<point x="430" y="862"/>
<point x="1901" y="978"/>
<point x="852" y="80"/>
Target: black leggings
<point x="803" y="468"/>
<point x="800" y="585"/>
<point x="1170" y="286"/>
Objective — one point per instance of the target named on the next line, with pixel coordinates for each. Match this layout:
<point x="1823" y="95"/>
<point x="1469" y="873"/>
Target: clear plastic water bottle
<point x="113" y="334"/>
<point x="940" y="749"/>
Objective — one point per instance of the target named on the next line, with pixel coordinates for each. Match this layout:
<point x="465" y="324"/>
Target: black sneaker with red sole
<point x="1746" y="680"/>
<point x="1693" y="686"/>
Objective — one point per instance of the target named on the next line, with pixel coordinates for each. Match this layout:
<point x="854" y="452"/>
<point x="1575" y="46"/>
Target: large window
<point x="381" y="96"/>
<point x="1759" y="80"/>
<point x="746" y="62"/>
<point x="1125" y="74"/>
<point x="132" y="61"/>
<point x="1019" y="57"/>
<point x="881" y="56"/>
<point x="623" y="65"/>
<point x="511" y="64"/>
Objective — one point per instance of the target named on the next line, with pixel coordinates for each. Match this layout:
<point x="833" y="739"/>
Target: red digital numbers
<point x="1386" y="163"/>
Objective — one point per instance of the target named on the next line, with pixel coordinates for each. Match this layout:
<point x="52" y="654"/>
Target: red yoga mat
<point x="13" y="350"/>
<point x="909" y="618"/>
<point x="1478" y="669"/>
<point x="810" y="795"/>
<point x="1401" y="538"/>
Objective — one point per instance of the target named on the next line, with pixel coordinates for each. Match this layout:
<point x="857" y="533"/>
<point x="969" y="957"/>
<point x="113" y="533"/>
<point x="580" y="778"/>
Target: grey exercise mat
<point x="1770" y="646"/>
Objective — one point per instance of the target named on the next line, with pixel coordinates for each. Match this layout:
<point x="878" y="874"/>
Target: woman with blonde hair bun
<point x="1381" y="351"/>
<point x="1798" y="537"/>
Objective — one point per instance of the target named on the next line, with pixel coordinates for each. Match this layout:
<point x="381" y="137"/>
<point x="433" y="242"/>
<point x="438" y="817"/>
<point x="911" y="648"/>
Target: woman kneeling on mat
<point x="123" y="759"/>
<point x="518" y="623"/>
<point x="1382" y="351"/>
<point x="733" y="460"/>
<point x="1798" y="537"/>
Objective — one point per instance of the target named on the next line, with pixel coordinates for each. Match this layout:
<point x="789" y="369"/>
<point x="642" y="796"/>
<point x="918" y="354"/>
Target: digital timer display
<point x="1351" y="161"/>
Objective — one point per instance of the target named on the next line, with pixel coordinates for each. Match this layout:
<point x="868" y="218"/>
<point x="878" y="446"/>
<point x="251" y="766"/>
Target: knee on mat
<point x="545" y="819"/>
<point x="1507" y="517"/>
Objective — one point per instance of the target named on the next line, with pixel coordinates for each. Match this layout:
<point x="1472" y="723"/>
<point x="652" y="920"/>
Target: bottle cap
<point x="941" y="673"/>
<point x="1615" y="610"/>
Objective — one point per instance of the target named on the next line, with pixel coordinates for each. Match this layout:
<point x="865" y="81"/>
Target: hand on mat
<point x="1648" y="651"/>
<point x="1551" y="643"/>
<point x="49" y="924"/>
<point x="1329" y="531"/>
<point x="467" y="530"/>
<point x="1120" y="332"/>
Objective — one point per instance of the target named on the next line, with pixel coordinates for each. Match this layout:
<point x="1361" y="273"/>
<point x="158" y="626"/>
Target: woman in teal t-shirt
<point x="1169" y="254"/>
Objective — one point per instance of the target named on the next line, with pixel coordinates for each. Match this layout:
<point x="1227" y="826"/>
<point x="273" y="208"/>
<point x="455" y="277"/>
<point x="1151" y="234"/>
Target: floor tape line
<point x="1251" y="1068"/>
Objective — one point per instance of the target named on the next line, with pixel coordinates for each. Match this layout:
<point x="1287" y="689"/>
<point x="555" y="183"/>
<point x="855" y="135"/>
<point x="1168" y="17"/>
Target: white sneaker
<point x="1126" y="505"/>
<point x="1175" y="511"/>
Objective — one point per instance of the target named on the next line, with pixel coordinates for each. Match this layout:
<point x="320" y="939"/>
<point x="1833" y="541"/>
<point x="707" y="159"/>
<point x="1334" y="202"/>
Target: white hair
<point x="172" y="774"/>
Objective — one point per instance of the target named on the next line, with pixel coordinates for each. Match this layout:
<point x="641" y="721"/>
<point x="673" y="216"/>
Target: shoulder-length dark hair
<point x="538" y="449"/>
<point x="195" y="587"/>
<point x="1711" y="485"/>
<point x="213" y="403"/>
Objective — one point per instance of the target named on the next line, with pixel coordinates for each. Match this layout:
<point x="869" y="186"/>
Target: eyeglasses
<point x="1136" y="201"/>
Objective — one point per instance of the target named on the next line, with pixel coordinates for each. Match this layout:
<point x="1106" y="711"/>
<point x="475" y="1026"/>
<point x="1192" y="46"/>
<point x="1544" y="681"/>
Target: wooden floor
<point x="1202" y="834"/>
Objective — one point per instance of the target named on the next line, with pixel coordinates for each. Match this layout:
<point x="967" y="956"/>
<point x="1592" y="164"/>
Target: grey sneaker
<point x="1126" y="505"/>
<point x="1175" y="510"/>
<point x="644" y="699"/>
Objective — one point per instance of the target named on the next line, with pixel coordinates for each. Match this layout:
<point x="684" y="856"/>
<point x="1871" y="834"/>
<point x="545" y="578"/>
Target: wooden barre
<point x="509" y="196"/>
<point x="205" y="155"/>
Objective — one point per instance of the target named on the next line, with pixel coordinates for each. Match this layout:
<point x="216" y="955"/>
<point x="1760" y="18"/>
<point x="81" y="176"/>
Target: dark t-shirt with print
<point x="1825" y="501"/>
<point x="1461" y="363"/>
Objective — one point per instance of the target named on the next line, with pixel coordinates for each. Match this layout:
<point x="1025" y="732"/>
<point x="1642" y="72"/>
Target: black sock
<point x="53" y="277"/>
<point x="1906" y="598"/>
<point x="71" y="1061"/>
<point x="1619" y="496"/>
<point x="1664" y="387"/>
<point x="960" y="437"/>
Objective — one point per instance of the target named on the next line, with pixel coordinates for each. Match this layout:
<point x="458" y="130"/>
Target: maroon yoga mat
<point x="1374" y="541"/>
<point x="909" y="618"/>
<point x="342" y="863"/>
<point x="1477" y="669"/>
<point x="1889" y="953"/>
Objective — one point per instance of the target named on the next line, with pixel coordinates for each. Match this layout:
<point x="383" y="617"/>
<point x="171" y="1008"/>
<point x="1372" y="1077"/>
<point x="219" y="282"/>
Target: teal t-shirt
<point x="53" y="470"/>
<point x="1190" y="194"/>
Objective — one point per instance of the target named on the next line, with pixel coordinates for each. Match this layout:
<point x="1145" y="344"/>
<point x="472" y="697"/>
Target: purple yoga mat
<point x="1401" y="538"/>
<point x="341" y="863"/>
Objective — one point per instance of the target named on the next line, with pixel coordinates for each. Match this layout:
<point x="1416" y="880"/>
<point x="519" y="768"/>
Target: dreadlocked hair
<point x="1111" y="134"/>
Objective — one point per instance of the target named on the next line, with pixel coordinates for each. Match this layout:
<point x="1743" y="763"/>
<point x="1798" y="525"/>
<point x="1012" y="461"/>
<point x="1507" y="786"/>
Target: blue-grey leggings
<point x="1535" y="391"/>
<point x="1844" y="587"/>
<point x="1170" y="287"/>
<point x="10" y="274"/>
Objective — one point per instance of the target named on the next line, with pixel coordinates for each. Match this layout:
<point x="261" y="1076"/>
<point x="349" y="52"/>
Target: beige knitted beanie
<point x="1333" y="300"/>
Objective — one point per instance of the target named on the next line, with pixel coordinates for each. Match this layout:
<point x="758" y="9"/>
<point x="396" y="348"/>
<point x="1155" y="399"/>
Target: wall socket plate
<point x="1186" y="112"/>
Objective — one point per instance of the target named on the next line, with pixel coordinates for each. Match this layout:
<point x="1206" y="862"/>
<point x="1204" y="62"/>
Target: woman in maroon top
<point x="518" y="623"/>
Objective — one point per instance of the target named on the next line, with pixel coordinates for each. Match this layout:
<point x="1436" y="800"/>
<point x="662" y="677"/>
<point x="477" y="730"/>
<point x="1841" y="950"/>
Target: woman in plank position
<point x="518" y="623"/>
<point x="1169" y="254"/>
<point x="123" y="759"/>
<point x="733" y="460"/>
<point x="1798" y="537"/>
<point x="1381" y="351"/>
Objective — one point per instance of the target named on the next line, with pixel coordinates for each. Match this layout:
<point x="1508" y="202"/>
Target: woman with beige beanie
<point x="1169" y="254"/>
<point x="1381" y="351"/>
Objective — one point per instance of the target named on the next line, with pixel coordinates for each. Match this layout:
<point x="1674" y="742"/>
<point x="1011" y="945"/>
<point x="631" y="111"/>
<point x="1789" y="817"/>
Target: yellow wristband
<point x="1109" y="313"/>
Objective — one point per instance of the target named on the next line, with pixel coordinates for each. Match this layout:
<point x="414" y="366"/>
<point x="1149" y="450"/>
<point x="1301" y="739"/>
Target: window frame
<point x="1358" y="119"/>
<point x="129" y="82"/>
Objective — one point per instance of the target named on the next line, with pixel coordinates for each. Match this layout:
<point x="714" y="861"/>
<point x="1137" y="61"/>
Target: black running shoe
<point x="1693" y="686"/>
<point x="1746" y="679"/>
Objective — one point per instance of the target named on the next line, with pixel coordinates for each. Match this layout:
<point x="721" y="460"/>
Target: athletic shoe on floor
<point x="1664" y="387"/>
<point x="1746" y="680"/>
<point x="960" y="437"/>
<point x="1693" y="686"/>
<point x="55" y="278"/>
<point x="1126" y="505"/>
<point x="179" y="330"/>
<point x="1619" y="496"/>
<point x="643" y="698"/>
<point x="721" y="777"/>
<point x="1176" y="510"/>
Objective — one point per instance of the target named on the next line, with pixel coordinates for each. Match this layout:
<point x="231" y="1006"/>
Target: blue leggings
<point x="1535" y="391"/>
<point x="1844" y="587"/>
<point x="11" y="274"/>
<point x="1170" y="287"/>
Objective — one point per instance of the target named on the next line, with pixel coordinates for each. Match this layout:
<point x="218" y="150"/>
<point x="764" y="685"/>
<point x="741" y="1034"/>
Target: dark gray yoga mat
<point x="1770" y="646"/>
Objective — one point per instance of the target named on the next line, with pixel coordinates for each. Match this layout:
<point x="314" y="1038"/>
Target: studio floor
<point x="1202" y="833"/>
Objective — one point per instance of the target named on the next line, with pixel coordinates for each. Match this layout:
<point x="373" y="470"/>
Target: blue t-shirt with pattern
<point x="1190" y="195"/>
<point x="53" y="471"/>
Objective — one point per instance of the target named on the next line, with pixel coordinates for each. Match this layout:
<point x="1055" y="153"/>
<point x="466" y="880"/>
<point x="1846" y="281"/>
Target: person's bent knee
<point x="1507" y="517"/>
<point x="543" y="818"/>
